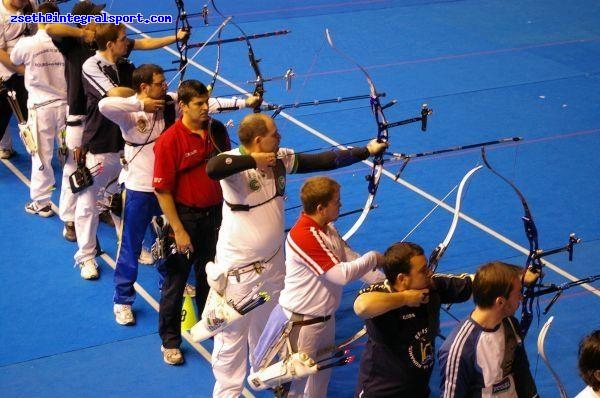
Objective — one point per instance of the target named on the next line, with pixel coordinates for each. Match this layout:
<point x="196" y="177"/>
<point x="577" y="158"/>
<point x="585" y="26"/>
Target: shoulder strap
<point x="433" y="314"/>
<point x="169" y="111"/>
<point x="218" y="136"/>
<point x="511" y="341"/>
<point x="280" y="177"/>
<point x="125" y="70"/>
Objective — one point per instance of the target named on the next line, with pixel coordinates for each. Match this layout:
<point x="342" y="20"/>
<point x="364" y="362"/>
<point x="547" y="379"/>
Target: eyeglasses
<point x="160" y="84"/>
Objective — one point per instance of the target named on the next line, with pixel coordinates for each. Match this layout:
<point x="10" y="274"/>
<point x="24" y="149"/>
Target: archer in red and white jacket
<point x="318" y="265"/>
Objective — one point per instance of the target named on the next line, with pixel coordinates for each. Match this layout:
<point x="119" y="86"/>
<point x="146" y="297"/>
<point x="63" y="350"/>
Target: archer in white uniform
<point x="45" y="83"/>
<point x="101" y="139"/>
<point x="249" y="247"/>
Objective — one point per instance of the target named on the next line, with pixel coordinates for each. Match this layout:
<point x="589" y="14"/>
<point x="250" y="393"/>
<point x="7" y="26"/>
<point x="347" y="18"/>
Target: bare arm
<point x="153" y="43"/>
<point x="371" y="304"/>
<point x="167" y="205"/>
<point x="5" y="60"/>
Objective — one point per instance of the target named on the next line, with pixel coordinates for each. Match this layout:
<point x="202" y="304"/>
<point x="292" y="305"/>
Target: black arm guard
<point x="308" y="163"/>
<point x="223" y="166"/>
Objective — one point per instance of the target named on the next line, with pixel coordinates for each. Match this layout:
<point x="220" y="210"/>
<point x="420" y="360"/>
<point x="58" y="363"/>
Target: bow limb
<point x="382" y="136"/>
<point x="360" y="219"/>
<point x="437" y="254"/>
<point x="213" y="81"/>
<point x="259" y="88"/>
<point x="215" y="33"/>
<point x="182" y="23"/>
<point x="533" y="263"/>
<point x="541" y="350"/>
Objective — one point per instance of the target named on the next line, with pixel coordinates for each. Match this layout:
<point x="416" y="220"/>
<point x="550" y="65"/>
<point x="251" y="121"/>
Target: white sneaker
<point x="146" y="257"/>
<point x="172" y="356"/>
<point x="123" y="314"/>
<point x="89" y="269"/>
<point x="41" y="210"/>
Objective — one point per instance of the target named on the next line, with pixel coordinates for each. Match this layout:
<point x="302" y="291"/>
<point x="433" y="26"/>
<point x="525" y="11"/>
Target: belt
<point x="40" y="105"/>
<point x="73" y="123"/>
<point x="135" y="144"/>
<point x="183" y="209"/>
<point x="256" y="266"/>
<point x="311" y="321"/>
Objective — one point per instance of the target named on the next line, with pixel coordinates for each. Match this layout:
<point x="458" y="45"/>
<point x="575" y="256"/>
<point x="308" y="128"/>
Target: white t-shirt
<point x="257" y="234"/>
<point x="44" y="69"/>
<point x="140" y="129"/>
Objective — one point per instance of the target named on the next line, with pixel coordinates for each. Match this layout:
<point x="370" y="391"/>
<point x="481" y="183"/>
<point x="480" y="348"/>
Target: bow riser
<point x="533" y="262"/>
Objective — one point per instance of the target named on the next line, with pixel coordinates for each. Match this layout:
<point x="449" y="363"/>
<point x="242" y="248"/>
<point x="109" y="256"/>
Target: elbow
<point x="160" y="193"/>
<point x="211" y="169"/>
<point x="102" y="106"/>
<point x="51" y="29"/>
<point x="360" y="308"/>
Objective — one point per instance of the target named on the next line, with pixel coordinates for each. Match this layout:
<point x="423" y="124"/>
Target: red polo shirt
<point x="180" y="167"/>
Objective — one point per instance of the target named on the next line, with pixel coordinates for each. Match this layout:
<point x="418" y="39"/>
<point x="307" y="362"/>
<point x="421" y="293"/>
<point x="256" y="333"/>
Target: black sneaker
<point x="40" y="210"/>
<point x="69" y="231"/>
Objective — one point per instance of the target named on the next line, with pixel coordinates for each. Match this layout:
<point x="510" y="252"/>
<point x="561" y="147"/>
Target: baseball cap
<point x="86" y="7"/>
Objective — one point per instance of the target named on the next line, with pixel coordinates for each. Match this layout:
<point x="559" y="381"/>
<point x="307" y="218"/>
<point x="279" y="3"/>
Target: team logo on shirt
<point x="281" y="183"/>
<point x="421" y="351"/>
<point x="141" y="125"/>
<point x="253" y="184"/>
<point x="502" y="386"/>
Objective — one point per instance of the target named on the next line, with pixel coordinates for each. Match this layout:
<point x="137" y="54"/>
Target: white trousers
<point x="309" y="340"/>
<point x="230" y="351"/>
<point x="106" y="166"/>
<point x="50" y="121"/>
<point x="68" y="200"/>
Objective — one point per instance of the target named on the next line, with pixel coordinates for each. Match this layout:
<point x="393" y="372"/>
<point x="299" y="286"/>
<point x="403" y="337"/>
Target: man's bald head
<point x="254" y="125"/>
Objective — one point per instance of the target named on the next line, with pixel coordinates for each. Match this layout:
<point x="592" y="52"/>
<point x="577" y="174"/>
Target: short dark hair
<point x="493" y="280"/>
<point x="397" y="259"/>
<point x="106" y="32"/>
<point x="189" y="89"/>
<point x="48" y="8"/>
<point x="145" y="74"/>
<point x="589" y="359"/>
<point x="87" y="8"/>
<point x="317" y="191"/>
